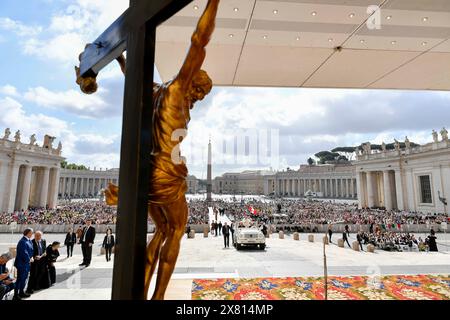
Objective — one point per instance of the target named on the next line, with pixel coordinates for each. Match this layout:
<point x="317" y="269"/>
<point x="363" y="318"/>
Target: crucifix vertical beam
<point x="136" y="145"/>
<point x="129" y="263"/>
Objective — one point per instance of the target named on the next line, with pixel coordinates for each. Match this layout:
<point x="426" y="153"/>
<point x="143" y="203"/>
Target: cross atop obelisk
<point x="209" y="174"/>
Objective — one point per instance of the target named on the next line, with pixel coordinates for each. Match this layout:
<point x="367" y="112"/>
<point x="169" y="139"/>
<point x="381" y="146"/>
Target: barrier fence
<point x="198" y="228"/>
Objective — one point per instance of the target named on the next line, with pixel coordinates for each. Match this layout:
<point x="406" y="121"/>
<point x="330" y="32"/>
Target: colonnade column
<point x="370" y="190"/>
<point x="353" y="188"/>
<point x="62" y="186"/>
<point x="359" y="190"/>
<point x="336" y="188"/>
<point x="399" y="190"/>
<point x="387" y="190"/>
<point x="44" y="187"/>
<point x="11" y="188"/>
<point x="53" y="188"/>
<point x="347" y="188"/>
<point x="82" y="187"/>
<point x="25" y="196"/>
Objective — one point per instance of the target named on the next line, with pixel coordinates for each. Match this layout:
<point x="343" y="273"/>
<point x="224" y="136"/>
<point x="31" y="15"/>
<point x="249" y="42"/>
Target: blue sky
<point x="40" y="41"/>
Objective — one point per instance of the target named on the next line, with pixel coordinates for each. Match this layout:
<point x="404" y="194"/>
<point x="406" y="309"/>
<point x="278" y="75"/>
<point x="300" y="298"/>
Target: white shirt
<point x="85" y="232"/>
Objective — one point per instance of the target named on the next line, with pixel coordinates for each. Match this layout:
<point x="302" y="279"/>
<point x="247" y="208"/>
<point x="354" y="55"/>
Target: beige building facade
<point x="85" y="183"/>
<point x="325" y="181"/>
<point x="246" y="182"/>
<point x="409" y="178"/>
<point x="192" y="184"/>
<point x="29" y="172"/>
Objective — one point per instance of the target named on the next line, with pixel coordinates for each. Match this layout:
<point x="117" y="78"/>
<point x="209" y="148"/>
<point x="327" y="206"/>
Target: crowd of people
<point x="77" y="212"/>
<point x="398" y="241"/>
<point x="295" y="213"/>
<point x="35" y="258"/>
<point x="384" y="227"/>
<point x="70" y="213"/>
<point x="198" y="212"/>
<point x="298" y="212"/>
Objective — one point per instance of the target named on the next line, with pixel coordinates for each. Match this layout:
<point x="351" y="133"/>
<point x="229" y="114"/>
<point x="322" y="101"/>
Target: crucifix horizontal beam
<point x="113" y="41"/>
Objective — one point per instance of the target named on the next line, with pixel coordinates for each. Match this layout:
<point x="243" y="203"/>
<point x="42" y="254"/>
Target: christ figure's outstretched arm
<point x="199" y="41"/>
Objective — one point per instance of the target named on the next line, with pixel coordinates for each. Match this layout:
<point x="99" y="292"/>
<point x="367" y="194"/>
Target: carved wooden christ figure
<point x="172" y="103"/>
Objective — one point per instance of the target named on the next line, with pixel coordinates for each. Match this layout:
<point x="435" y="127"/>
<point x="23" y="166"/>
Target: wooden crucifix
<point x="151" y="180"/>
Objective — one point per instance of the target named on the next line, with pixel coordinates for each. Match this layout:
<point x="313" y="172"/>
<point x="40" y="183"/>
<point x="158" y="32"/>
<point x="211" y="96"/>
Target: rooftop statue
<point x="367" y="148"/>
<point x="396" y="145"/>
<point x="7" y="134"/>
<point x="17" y="136"/>
<point x="407" y="143"/>
<point x="32" y="140"/>
<point x="444" y="134"/>
<point x="435" y="136"/>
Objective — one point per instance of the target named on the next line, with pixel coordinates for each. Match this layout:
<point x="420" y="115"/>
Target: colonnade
<point x="83" y="186"/>
<point x="26" y="185"/>
<point x="328" y="188"/>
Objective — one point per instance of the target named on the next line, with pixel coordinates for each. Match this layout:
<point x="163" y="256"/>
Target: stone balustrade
<point x="404" y="151"/>
<point x="29" y="148"/>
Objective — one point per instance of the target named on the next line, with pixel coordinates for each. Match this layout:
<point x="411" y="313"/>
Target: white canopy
<point x="291" y="43"/>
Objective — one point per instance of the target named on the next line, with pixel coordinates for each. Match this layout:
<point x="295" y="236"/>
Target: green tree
<point x="325" y="156"/>
<point x="348" y="152"/>
<point x="73" y="166"/>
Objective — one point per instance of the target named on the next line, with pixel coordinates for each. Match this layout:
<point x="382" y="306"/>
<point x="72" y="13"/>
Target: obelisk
<point x="209" y="175"/>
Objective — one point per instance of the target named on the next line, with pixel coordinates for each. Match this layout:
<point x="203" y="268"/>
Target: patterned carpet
<point x="403" y="287"/>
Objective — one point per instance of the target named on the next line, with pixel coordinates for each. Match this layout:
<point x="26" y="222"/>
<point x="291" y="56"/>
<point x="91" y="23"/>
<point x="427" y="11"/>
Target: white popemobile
<point x="246" y="234"/>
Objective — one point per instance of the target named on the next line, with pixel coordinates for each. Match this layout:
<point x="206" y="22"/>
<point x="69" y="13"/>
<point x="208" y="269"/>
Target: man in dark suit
<point x="226" y="235"/>
<point x="330" y="233"/>
<point x="216" y="229"/>
<point x="38" y="266"/>
<point x="69" y="242"/>
<point x="108" y="244"/>
<point x="345" y="238"/>
<point x="24" y="255"/>
<point x="220" y="227"/>
<point x="87" y="240"/>
<point x="359" y="238"/>
<point x="232" y="233"/>
<point x="347" y="230"/>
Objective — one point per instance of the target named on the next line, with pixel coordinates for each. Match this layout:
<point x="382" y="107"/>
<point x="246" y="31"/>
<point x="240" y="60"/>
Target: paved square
<point x="205" y="258"/>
